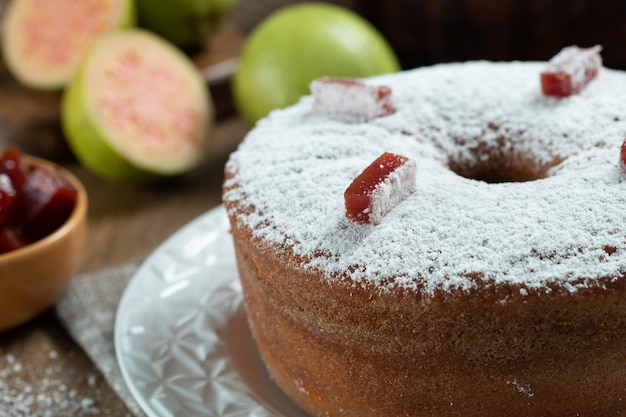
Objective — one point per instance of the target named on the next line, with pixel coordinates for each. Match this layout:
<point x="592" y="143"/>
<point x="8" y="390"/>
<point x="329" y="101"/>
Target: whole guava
<point x="186" y="23"/>
<point x="138" y="110"/>
<point x="302" y="42"/>
<point x="43" y="42"/>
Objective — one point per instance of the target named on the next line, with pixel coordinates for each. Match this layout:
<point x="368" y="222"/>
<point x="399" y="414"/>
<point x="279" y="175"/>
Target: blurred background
<point x="429" y="31"/>
<point x="421" y="32"/>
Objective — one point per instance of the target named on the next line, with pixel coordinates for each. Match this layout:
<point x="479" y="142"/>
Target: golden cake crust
<point x="338" y="349"/>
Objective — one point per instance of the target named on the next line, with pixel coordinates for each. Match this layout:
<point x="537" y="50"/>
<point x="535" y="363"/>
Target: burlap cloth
<point x="88" y="311"/>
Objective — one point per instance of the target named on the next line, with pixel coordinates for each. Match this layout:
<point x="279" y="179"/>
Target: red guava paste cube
<point x="350" y="97"/>
<point x="12" y="165"/>
<point x="46" y="201"/>
<point x="622" y="157"/>
<point x="10" y="239"/>
<point x="7" y="198"/>
<point x="380" y="187"/>
<point x="571" y="70"/>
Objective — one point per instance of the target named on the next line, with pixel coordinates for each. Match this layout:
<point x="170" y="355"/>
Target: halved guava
<point x="137" y="109"/>
<point x="44" y="41"/>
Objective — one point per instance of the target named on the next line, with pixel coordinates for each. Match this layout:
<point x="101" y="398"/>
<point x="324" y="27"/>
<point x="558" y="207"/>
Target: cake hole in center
<point x="495" y="167"/>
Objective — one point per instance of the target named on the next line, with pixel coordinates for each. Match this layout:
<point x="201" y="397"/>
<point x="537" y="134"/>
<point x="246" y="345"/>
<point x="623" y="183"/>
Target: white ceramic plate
<point x="181" y="335"/>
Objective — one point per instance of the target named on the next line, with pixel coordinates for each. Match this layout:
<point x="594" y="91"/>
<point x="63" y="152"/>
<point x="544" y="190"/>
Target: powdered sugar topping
<point x="392" y="190"/>
<point x="565" y="229"/>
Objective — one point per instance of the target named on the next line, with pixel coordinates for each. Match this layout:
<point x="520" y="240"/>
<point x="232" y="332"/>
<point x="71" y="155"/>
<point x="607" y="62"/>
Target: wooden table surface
<point x="43" y="372"/>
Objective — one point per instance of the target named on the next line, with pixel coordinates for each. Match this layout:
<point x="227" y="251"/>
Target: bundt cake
<point x="495" y="287"/>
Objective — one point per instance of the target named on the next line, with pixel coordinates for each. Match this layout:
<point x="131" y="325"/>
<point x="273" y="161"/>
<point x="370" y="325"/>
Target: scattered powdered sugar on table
<point x="524" y="389"/>
<point x="295" y="165"/>
<point x="22" y="394"/>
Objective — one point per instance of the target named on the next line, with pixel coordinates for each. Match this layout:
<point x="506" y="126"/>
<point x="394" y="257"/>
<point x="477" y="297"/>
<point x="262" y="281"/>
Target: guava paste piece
<point x="7" y="198"/>
<point x="45" y="203"/>
<point x="622" y="157"/>
<point x="570" y="71"/>
<point x="380" y="187"/>
<point x="12" y="165"/>
<point x="350" y="97"/>
<point x="11" y="239"/>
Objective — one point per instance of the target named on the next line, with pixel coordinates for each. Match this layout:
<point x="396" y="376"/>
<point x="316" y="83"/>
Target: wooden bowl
<point x="32" y="278"/>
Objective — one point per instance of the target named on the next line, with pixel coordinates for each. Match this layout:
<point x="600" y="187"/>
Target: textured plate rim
<point x="118" y="331"/>
<point x="214" y="217"/>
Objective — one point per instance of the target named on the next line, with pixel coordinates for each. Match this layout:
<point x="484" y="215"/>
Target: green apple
<point x="43" y="42"/>
<point x="186" y="23"/>
<point x="138" y="110"/>
<point x="300" y="43"/>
